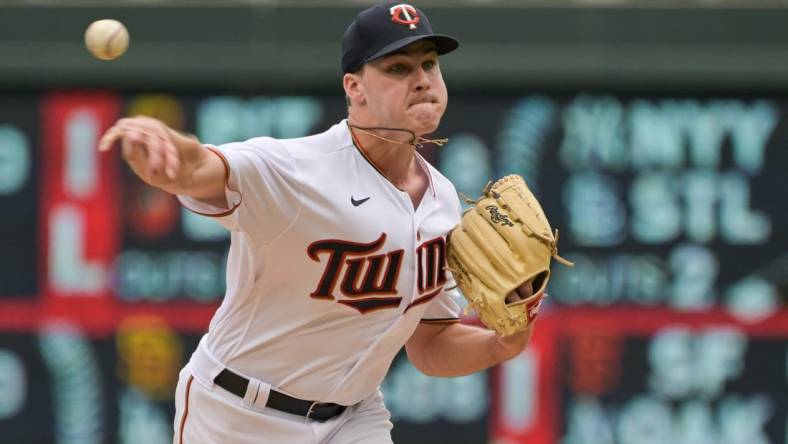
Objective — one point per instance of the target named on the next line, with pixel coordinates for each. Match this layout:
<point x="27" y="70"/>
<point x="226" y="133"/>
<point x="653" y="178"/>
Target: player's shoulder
<point x="257" y="149"/>
<point x="335" y="138"/>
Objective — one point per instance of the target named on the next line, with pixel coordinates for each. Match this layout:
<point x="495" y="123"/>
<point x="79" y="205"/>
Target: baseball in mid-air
<point x="107" y="39"/>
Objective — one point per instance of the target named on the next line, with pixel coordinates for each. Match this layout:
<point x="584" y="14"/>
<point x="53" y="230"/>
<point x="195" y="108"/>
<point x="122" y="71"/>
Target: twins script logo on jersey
<point x="405" y="14"/>
<point x="369" y="280"/>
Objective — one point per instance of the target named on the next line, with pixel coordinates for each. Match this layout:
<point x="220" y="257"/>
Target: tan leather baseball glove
<point x="503" y="241"/>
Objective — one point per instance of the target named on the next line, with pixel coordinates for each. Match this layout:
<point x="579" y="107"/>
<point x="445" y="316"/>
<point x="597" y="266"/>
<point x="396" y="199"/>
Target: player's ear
<point x="354" y="90"/>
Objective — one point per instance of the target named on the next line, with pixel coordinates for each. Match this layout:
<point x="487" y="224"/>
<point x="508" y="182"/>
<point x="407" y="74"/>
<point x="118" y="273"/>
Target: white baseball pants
<point x="212" y="415"/>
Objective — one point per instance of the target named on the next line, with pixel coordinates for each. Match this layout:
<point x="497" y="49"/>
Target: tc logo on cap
<point x="405" y="14"/>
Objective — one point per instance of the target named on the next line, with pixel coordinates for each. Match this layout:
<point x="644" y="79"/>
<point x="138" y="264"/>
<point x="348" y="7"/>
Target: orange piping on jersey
<point x="226" y="184"/>
<point x="360" y="149"/>
<point x="186" y="407"/>
<point x="419" y="159"/>
<point x="426" y="168"/>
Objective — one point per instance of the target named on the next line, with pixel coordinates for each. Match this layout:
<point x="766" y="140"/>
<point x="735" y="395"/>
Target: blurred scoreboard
<point x="672" y="328"/>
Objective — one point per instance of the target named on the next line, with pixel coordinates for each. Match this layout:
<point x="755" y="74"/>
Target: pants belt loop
<point x="204" y="366"/>
<point x="309" y="412"/>
<point x="256" y="394"/>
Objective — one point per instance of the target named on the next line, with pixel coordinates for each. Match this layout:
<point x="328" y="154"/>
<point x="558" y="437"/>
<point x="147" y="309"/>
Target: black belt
<point x="237" y="384"/>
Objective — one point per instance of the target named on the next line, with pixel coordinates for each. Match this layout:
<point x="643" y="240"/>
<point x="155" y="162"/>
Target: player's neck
<point x="394" y="159"/>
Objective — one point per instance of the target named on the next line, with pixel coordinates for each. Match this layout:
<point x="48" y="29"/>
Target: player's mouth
<point x="428" y="100"/>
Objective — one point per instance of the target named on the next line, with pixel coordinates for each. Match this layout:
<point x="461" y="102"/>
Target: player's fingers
<point x="172" y="160"/>
<point x="138" y="122"/>
<point x="132" y="148"/>
<point x="169" y="153"/>
<point x="526" y="290"/>
<point x="109" y="138"/>
<point x="149" y="137"/>
<point x="148" y="127"/>
<point x="523" y="292"/>
<point x="154" y="148"/>
<point x="168" y="157"/>
<point x="142" y="127"/>
<point x="144" y="124"/>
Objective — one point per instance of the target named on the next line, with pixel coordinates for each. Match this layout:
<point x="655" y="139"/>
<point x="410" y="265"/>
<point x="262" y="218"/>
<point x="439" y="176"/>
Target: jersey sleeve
<point x="444" y="307"/>
<point x="261" y="188"/>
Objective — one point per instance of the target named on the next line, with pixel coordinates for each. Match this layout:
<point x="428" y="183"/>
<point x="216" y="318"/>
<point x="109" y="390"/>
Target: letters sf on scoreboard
<point x="680" y="385"/>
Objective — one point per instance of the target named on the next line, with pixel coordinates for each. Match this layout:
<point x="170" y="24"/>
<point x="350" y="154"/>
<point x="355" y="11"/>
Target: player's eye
<point x="398" y="68"/>
<point x="429" y="64"/>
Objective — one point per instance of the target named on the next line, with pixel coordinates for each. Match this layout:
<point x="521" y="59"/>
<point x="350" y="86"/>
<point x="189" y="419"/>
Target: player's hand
<point x="523" y="292"/>
<point x="149" y="146"/>
<point x="516" y="343"/>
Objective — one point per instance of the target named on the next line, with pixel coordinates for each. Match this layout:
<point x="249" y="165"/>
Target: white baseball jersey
<point x="330" y="268"/>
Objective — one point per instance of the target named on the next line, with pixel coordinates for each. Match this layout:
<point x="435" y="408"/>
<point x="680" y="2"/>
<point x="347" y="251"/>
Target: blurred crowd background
<point x="654" y="132"/>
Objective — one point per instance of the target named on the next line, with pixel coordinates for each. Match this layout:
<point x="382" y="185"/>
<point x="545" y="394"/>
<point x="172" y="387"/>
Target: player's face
<point x="406" y="89"/>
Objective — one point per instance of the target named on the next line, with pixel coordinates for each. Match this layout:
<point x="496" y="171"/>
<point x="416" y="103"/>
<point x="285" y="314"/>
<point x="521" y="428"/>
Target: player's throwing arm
<point x="166" y="159"/>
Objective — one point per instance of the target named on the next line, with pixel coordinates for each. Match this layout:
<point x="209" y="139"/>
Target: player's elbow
<point x="420" y="348"/>
<point x="420" y="359"/>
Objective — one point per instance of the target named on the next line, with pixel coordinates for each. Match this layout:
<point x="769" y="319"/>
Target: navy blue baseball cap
<point x="385" y="28"/>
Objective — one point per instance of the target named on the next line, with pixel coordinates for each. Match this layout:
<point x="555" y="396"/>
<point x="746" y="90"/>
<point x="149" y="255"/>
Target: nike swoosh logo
<point x="358" y="202"/>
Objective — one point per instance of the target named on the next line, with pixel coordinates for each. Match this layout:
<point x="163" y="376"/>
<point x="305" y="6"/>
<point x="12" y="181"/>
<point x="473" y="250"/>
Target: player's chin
<point x="426" y="122"/>
<point x="426" y="127"/>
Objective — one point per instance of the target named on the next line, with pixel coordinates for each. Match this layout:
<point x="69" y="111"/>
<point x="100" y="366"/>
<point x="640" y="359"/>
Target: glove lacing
<point x="552" y="243"/>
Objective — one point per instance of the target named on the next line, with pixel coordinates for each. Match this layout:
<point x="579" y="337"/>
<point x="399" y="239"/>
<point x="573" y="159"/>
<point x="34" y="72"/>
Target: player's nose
<point x="422" y="81"/>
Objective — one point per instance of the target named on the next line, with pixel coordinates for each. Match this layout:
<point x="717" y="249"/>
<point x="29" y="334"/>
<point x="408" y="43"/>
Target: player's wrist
<point x="510" y="346"/>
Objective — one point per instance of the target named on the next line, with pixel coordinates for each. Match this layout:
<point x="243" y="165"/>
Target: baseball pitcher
<point x="345" y="246"/>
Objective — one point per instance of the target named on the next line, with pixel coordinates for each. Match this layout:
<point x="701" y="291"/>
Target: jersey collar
<point x="422" y="163"/>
